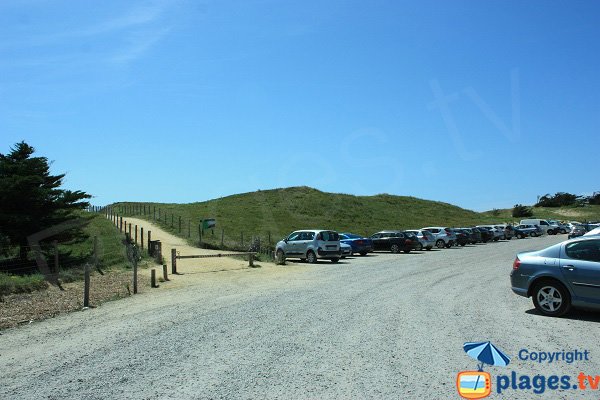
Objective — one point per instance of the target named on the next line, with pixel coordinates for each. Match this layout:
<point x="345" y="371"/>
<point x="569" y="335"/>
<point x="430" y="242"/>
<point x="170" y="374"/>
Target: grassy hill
<point x="580" y="214"/>
<point x="281" y="211"/>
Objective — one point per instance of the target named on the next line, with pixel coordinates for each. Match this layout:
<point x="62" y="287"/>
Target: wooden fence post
<point x="250" y="259"/>
<point x="121" y="225"/>
<point x="135" y="275"/>
<point x="130" y="230"/>
<point x="153" y="278"/>
<point x="149" y="240"/>
<point x="136" y="234"/>
<point x="86" y="285"/>
<point x="174" y="261"/>
<point x="154" y="212"/>
<point x="165" y="275"/>
<point x="142" y="238"/>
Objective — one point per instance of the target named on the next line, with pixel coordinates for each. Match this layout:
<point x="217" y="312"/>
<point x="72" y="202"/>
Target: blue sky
<point x="482" y="104"/>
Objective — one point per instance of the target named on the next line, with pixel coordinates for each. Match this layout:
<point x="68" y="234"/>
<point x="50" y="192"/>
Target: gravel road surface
<point x="385" y="326"/>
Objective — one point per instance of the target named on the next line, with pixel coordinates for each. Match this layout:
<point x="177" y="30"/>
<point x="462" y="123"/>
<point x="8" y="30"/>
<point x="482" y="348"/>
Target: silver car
<point x="444" y="237"/>
<point x="560" y="276"/>
<point x="310" y="245"/>
<point x="426" y="239"/>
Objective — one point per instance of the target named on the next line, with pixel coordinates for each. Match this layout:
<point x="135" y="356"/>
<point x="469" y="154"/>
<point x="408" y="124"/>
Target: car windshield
<point x="350" y="236"/>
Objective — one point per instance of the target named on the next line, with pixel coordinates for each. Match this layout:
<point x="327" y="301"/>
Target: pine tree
<point x="31" y="199"/>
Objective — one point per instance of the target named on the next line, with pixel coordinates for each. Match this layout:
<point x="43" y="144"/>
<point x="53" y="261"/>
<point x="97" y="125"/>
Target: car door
<point x="292" y="245"/>
<point x="376" y="238"/>
<point x="306" y="240"/>
<point x="580" y="265"/>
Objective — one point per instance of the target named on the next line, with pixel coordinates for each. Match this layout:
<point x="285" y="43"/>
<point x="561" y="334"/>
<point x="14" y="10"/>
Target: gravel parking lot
<point x="382" y="326"/>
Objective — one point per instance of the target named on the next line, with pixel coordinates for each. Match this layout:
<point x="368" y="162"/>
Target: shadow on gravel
<point x="576" y="315"/>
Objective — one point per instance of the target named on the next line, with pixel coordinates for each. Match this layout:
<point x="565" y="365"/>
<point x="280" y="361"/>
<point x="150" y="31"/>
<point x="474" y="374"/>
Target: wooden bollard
<point x="142" y="238"/>
<point x="251" y="260"/>
<point x="174" y="261"/>
<point x="165" y="276"/>
<point x="153" y="278"/>
<point x="136" y="234"/>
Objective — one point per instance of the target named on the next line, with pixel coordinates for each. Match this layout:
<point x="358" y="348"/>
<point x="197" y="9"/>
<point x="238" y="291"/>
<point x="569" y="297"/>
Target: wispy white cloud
<point x="138" y="45"/>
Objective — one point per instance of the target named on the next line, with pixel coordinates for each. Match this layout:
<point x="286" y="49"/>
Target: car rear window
<point x="329" y="236"/>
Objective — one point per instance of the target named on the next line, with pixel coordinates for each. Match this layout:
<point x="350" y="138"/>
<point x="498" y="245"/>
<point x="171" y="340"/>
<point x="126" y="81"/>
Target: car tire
<point x="395" y="248"/>
<point x="420" y="248"/>
<point x="363" y="253"/>
<point x="334" y="260"/>
<point x="551" y="298"/>
<point x="463" y="244"/>
<point x="406" y="251"/>
<point x="533" y="234"/>
<point x="279" y="256"/>
<point x="311" y="257"/>
<point x="440" y="244"/>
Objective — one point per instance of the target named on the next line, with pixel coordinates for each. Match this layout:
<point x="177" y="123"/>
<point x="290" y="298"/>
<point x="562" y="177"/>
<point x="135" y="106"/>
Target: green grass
<point x="111" y="251"/>
<point x="281" y="211"/>
<point x="21" y="284"/>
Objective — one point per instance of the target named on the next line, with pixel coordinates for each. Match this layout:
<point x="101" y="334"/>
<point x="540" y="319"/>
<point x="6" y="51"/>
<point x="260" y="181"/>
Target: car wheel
<point x="311" y="257"/>
<point x="334" y="260"/>
<point x="463" y="244"/>
<point x="279" y="256"/>
<point x="509" y="237"/>
<point x="395" y="248"/>
<point x="449" y="244"/>
<point x="551" y="298"/>
<point x="533" y="234"/>
<point x="406" y="251"/>
<point x="363" y="253"/>
<point x="420" y="247"/>
<point x="440" y="244"/>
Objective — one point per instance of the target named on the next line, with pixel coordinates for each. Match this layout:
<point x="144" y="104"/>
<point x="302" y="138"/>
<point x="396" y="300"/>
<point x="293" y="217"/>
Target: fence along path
<point x="170" y="241"/>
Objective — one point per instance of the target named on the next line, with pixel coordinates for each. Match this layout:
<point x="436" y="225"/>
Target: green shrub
<point x="21" y="284"/>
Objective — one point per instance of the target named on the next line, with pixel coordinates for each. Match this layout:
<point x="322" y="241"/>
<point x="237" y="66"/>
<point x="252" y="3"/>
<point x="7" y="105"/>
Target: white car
<point x="310" y="245"/>
<point x="595" y="231"/>
<point x="346" y="250"/>
<point x="444" y="237"/>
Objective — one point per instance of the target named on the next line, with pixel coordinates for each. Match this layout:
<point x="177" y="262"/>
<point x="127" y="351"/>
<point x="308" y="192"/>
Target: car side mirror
<point x="285" y="240"/>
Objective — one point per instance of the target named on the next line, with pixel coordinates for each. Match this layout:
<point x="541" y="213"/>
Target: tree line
<point x="560" y="199"/>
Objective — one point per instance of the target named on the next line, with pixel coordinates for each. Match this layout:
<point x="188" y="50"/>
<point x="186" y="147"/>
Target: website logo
<point x="478" y="384"/>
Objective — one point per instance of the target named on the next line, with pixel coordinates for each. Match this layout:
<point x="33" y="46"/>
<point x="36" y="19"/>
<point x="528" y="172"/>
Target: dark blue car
<point x="359" y="244"/>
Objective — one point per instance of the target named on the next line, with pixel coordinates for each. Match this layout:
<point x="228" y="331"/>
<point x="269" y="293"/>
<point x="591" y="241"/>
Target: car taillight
<point x="516" y="263"/>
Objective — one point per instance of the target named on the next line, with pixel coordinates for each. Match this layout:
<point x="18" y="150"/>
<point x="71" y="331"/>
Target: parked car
<point x="310" y="245"/>
<point x="444" y="237"/>
<point x="462" y="237"/>
<point x="560" y="276"/>
<point x="576" y="231"/>
<point x="498" y="233"/>
<point x="393" y="241"/>
<point x="543" y="224"/>
<point x="474" y="235"/>
<point x="520" y="233"/>
<point x="486" y="235"/>
<point x="346" y="250"/>
<point x="530" y="230"/>
<point x="426" y="239"/>
<point x="360" y="245"/>
<point x="595" y="231"/>
<point x="509" y="232"/>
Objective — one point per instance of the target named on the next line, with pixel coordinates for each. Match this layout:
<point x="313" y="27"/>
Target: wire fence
<point x="185" y="227"/>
